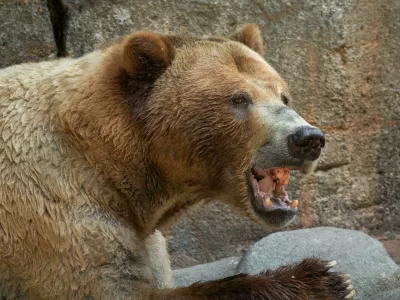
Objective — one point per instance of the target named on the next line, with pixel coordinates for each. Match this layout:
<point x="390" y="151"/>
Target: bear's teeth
<point x="268" y="202"/>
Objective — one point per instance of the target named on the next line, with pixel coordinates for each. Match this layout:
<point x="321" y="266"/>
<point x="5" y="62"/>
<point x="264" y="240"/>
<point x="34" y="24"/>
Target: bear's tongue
<point x="271" y="184"/>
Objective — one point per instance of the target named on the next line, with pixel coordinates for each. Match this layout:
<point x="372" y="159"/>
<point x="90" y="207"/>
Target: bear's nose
<point x="306" y="143"/>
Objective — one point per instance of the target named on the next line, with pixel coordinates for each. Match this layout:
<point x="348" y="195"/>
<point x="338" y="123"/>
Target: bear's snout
<point x="306" y="143"/>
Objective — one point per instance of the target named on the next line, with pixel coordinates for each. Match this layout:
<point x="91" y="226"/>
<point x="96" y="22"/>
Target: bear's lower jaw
<point x="268" y="197"/>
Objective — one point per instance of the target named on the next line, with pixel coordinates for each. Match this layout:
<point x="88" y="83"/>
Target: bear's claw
<point x="339" y="285"/>
<point x="343" y="286"/>
<point x="351" y="295"/>
<point x="332" y="264"/>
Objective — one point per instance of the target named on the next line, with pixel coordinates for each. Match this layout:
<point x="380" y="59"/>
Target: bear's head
<point x="216" y="117"/>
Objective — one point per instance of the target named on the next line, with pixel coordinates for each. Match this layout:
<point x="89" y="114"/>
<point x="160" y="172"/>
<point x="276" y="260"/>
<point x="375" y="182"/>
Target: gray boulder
<point x="211" y="271"/>
<point x="372" y="270"/>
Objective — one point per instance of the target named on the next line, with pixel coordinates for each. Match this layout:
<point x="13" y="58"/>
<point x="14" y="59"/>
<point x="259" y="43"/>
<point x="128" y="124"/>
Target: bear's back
<point x="31" y="146"/>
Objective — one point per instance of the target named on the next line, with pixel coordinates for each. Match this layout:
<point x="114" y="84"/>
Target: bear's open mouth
<point x="268" y="187"/>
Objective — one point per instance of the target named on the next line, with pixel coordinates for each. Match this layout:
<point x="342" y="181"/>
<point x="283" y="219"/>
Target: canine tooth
<point x="268" y="202"/>
<point x="294" y="203"/>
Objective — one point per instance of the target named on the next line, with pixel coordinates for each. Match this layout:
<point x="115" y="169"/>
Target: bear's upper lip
<point x="268" y="190"/>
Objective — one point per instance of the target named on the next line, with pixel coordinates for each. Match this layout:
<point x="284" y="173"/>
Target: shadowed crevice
<point x="328" y="167"/>
<point x="58" y="16"/>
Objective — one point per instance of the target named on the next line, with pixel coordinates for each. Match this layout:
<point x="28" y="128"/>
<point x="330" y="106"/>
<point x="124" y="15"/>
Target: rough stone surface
<point x="390" y="295"/>
<point x="26" y="34"/>
<point x="211" y="271"/>
<point x="392" y="245"/>
<point x="389" y="175"/>
<point x="340" y="59"/>
<point x="374" y="274"/>
<point x="119" y="17"/>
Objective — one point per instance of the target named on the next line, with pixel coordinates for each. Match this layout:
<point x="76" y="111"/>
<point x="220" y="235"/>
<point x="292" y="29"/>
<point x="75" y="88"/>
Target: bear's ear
<point x="250" y="35"/>
<point x="145" y="55"/>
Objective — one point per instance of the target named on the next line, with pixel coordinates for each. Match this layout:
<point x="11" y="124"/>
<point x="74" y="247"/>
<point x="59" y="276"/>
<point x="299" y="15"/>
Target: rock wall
<point x="340" y="58"/>
<point x="26" y="32"/>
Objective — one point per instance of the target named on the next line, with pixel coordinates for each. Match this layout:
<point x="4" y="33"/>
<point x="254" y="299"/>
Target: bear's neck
<point x="98" y="128"/>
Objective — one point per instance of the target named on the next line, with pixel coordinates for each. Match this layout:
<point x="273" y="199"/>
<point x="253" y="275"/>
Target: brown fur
<point x="97" y="153"/>
<point x="250" y="35"/>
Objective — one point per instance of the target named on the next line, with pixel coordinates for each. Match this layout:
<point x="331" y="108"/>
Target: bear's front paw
<point x="324" y="284"/>
<point x="339" y="286"/>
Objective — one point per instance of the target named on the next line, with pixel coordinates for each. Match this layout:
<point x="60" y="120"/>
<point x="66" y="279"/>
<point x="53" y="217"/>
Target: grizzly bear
<point x="100" y="153"/>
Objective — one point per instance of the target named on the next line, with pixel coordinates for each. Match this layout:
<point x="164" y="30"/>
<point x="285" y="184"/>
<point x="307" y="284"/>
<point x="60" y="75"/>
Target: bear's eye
<point x="240" y="100"/>
<point x="285" y="99"/>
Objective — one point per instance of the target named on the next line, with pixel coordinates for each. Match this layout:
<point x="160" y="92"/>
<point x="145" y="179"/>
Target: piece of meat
<point x="273" y="181"/>
<point x="280" y="175"/>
